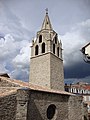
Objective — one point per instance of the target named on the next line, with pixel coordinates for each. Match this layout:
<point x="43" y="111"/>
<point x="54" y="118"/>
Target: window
<point x="43" y="47"/>
<point x="36" y="50"/>
<point x="54" y="48"/>
<point x="58" y="51"/>
<point x="85" y="118"/>
<point x="40" y="38"/>
<point x="55" y="39"/>
<point x="51" y="110"/>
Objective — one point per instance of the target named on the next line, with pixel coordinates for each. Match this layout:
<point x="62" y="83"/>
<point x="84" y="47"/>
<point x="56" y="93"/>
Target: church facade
<point x="43" y="98"/>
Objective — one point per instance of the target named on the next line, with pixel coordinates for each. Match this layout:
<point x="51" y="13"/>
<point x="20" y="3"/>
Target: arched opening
<point x="54" y="48"/>
<point x="40" y="38"/>
<point x="43" y="47"/>
<point x="36" y="50"/>
<point x="58" y="51"/>
<point x="55" y="39"/>
<point x="51" y="110"/>
<point x="85" y="118"/>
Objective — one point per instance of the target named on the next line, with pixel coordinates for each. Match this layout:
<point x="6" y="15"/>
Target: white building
<point x="86" y="52"/>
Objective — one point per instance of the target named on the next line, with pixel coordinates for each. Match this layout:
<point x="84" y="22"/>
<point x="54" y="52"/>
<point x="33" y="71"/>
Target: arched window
<point x="51" y="111"/>
<point x="58" y="51"/>
<point x="43" y="47"/>
<point x="40" y="38"/>
<point x="55" y="39"/>
<point x="54" y="48"/>
<point x="36" y="50"/>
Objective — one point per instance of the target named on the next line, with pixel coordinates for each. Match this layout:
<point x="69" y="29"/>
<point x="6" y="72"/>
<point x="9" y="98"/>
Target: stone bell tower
<point x="46" y="64"/>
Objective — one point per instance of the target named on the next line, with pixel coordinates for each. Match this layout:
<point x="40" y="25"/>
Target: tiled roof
<point x="87" y="87"/>
<point x="8" y="92"/>
<point x="79" y="86"/>
<point x="21" y="84"/>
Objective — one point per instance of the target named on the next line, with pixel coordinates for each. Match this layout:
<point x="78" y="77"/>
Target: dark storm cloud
<point x="78" y="70"/>
<point x="73" y="41"/>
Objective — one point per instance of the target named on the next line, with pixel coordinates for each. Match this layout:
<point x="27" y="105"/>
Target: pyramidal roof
<point x="46" y="23"/>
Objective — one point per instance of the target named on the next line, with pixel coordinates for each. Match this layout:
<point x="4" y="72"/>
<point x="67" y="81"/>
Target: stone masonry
<point x="46" y="64"/>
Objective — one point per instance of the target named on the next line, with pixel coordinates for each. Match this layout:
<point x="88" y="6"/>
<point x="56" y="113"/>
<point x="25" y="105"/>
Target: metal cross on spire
<point x="46" y="10"/>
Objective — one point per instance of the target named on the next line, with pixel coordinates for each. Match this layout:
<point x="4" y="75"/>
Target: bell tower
<point x="46" y="63"/>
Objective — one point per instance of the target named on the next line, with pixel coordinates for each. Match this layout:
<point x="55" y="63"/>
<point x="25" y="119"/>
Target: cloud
<point x="14" y="45"/>
<point x="73" y="41"/>
<point x="15" y="41"/>
<point x="21" y="63"/>
<point x="14" y="56"/>
<point x="23" y="56"/>
<point x="11" y="24"/>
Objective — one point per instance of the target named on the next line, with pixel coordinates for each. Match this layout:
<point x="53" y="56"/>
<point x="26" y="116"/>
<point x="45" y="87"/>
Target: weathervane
<point x="46" y="10"/>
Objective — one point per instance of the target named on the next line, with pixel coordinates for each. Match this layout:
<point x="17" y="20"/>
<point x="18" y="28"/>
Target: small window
<point x="43" y="47"/>
<point x="54" y="48"/>
<point x="58" y="51"/>
<point x="40" y="38"/>
<point x="36" y="50"/>
<point x="55" y="39"/>
<point x="51" y="110"/>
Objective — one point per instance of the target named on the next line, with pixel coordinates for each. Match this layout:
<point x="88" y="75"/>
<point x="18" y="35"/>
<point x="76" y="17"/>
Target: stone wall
<point x="47" y="70"/>
<point x="85" y="112"/>
<point x="56" y="72"/>
<point x="75" y="107"/>
<point x="22" y="104"/>
<point x="8" y="107"/>
<point x="40" y="101"/>
<point x="34" y="105"/>
<point x="40" y="70"/>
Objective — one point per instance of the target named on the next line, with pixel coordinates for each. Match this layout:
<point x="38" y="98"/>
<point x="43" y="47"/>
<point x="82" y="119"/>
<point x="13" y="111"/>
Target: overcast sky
<point x="21" y="19"/>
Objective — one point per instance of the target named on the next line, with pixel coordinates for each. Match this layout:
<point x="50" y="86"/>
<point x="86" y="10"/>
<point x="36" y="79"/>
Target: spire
<point x="46" y="23"/>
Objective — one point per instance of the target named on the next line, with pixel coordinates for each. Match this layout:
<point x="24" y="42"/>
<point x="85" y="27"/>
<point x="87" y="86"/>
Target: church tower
<point x="46" y="63"/>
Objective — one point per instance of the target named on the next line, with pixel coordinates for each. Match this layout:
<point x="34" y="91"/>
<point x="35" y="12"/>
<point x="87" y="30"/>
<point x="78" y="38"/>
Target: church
<point x="43" y="98"/>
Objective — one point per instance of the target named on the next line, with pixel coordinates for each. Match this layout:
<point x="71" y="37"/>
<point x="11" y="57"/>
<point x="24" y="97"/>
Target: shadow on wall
<point x="33" y="113"/>
<point x="85" y="118"/>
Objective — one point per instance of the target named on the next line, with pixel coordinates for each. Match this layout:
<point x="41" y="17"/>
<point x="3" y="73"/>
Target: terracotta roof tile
<point x="20" y="84"/>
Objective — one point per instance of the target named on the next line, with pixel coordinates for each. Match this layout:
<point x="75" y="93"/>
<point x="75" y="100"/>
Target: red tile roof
<point x="22" y="84"/>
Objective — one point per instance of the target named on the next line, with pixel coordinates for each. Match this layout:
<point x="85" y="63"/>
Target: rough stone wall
<point x="39" y="103"/>
<point x="47" y="70"/>
<point x="85" y="112"/>
<point x="75" y="108"/>
<point x="56" y="73"/>
<point x="8" y="107"/>
<point x="33" y="105"/>
<point x="22" y="103"/>
<point x="40" y="70"/>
